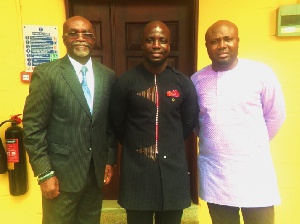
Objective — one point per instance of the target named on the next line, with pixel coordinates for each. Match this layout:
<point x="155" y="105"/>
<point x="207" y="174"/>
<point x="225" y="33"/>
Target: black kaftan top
<point x="153" y="178"/>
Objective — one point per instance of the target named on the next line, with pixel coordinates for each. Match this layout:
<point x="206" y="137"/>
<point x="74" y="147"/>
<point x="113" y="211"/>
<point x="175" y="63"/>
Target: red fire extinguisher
<point x="16" y="158"/>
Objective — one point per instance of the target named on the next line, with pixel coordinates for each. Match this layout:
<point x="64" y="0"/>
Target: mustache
<point x="75" y="43"/>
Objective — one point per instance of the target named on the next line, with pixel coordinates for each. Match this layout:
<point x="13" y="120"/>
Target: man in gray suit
<point x="70" y="146"/>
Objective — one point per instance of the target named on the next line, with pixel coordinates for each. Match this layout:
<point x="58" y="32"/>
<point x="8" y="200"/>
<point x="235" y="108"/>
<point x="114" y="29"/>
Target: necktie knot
<point x="83" y="70"/>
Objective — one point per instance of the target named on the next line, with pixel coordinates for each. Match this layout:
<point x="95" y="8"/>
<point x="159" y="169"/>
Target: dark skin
<point x="156" y="46"/>
<point x="222" y="43"/>
<point x="79" y="49"/>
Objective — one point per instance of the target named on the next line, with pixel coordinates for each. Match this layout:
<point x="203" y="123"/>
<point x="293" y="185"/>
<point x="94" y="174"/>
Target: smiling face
<point x="81" y="46"/>
<point x="222" y="43"/>
<point x="155" y="44"/>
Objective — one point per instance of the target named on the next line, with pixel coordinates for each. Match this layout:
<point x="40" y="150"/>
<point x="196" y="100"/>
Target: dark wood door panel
<point x="130" y="24"/>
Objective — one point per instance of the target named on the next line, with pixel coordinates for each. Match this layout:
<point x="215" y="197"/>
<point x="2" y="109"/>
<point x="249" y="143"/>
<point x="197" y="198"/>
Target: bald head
<point x="222" y="43"/>
<point x="79" y="38"/>
<point x="76" y="19"/>
<point x="218" y="25"/>
<point x="155" y="46"/>
<point x="157" y="25"/>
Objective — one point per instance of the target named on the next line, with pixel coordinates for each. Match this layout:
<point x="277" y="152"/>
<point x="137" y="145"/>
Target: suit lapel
<point x="71" y="78"/>
<point x="98" y="89"/>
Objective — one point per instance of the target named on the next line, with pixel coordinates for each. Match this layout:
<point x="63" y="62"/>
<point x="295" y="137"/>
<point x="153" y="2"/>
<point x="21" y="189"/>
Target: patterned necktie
<point x="86" y="89"/>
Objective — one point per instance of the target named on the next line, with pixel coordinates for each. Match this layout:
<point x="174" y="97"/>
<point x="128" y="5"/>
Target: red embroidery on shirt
<point x="173" y="93"/>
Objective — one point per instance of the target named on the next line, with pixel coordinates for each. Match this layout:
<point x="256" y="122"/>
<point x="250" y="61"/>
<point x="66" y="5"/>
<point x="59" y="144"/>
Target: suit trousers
<point x="161" y="217"/>
<point x="83" y="207"/>
<point x="221" y="214"/>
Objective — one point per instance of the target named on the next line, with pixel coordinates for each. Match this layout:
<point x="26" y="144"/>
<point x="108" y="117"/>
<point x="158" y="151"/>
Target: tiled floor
<point x="112" y="213"/>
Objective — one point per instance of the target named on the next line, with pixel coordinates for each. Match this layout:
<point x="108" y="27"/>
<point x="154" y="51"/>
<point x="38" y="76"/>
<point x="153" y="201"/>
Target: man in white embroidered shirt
<point x="241" y="109"/>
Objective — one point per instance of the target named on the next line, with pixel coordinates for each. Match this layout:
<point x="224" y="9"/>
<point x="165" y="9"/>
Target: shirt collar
<point x="77" y="66"/>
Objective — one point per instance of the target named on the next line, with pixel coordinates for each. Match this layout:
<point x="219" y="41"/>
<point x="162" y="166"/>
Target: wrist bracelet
<point x="46" y="176"/>
<point x="43" y="174"/>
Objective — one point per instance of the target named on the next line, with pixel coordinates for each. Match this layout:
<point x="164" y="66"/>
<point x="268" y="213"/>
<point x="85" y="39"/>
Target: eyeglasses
<point x="74" y="35"/>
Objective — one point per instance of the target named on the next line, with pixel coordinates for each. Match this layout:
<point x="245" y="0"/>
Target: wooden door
<point x="119" y="24"/>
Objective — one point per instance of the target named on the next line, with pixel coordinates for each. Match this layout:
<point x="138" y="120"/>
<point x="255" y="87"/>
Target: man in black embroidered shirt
<point x="153" y="108"/>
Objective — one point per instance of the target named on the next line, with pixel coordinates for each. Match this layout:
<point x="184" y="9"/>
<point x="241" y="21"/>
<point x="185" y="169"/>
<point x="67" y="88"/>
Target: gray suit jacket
<point x="60" y="133"/>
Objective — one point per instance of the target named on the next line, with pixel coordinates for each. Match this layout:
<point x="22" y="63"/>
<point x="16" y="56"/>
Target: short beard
<point x="80" y="52"/>
<point x="225" y="64"/>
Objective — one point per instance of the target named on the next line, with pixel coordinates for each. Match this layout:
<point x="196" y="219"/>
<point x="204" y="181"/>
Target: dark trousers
<point x="82" y="207"/>
<point x="161" y="217"/>
<point x="221" y="214"/>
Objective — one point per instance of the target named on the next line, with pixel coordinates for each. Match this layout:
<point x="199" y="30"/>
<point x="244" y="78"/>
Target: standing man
<point x="67" y="135"/>
<point x="241" y="109"/>
<point x="153" y="109"/>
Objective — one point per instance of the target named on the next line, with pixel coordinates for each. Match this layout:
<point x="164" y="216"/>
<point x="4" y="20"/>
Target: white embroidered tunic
<point x="240" y="110"/>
